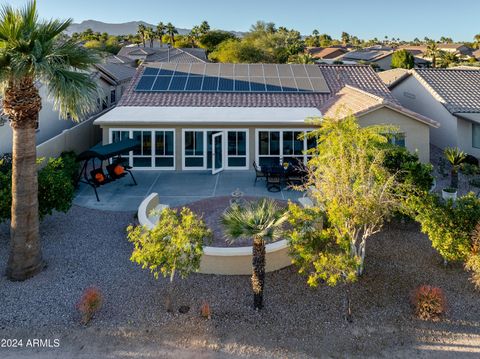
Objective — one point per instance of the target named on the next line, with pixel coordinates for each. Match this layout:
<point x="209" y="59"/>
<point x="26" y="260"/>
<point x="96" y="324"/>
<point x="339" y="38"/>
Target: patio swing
<point x="117" y="168"/>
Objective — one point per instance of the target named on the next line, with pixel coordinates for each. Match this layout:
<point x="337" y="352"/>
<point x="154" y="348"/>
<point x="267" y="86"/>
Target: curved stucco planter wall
<point x="225" y="260"/>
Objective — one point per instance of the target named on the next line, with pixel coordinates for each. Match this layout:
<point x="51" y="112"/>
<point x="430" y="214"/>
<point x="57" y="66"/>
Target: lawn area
<point x="88" y="247"/>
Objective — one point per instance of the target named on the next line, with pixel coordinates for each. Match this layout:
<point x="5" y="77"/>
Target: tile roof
<point x="327" y="52"/>
<point x="367" y="55"/>
<point x="117" y="72"/>
<point x="165" y="54"/>
<point x="354" y="101"/>
<point x="336" y="76"/>
<point x="457" y="89"/>
<point x="393" y="76"/>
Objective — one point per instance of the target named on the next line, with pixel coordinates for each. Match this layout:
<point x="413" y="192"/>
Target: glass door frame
<point x="219" y="136"/>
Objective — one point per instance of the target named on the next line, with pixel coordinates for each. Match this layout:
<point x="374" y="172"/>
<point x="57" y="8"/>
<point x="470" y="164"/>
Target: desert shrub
<point x="429" y="302"/>
<point x="55" y="186"/>
<point x="448" y="225"/>
<point x="468" y="169"/>
<point x="471" y="160"/>
<point x="472" y="264"/>
<point x="89" y="304"/>
<point x="410" y="171"/>
<point x="474" y="182"/>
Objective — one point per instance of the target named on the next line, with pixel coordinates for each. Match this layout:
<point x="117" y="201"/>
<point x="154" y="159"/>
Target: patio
<point x="175" y="189"/>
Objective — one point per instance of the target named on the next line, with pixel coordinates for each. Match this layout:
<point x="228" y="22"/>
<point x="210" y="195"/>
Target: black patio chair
<point x="258" y="172"/>
<point x="274" y="179"/>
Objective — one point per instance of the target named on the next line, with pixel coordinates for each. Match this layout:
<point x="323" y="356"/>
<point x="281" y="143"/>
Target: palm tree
<point x="142" y="29"/>
<point x="432" y="52"/>
<point x="447" y="58"/>
<point x="150" y="35"/>
<point x="302" y="59"/>
<point x="455" y="157"/>
<point x="193" y="35"/>
<point x="171" y="31"/>
<point x="160" y="31"/>
<point x="261" y="221"/>
<point x="32" y="50"/>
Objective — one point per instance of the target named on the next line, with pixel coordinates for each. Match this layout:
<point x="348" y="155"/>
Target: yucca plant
<point x="33" y="51"/>
<point x="261" y="221"/>
<point x="455" y="157"/>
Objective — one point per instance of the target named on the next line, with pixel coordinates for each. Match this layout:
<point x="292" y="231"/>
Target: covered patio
<point x="176" y="188"/>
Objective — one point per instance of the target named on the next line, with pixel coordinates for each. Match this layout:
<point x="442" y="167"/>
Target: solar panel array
<point x="259" y="78"/>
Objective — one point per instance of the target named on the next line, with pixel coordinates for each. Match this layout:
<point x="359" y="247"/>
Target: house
<point x="163" y="54"/>
<point x="113" y="81"/>
<point x="420" y="51"/>
<point x="476" y="54"/>
<point x="326" y="53"/>
<point x="225" y="116"/>
<point x="450" y="97"/>
<point x="380" y="58"/>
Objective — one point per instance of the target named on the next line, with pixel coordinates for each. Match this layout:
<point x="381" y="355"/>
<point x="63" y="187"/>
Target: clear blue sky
<point x="406" y="19"/>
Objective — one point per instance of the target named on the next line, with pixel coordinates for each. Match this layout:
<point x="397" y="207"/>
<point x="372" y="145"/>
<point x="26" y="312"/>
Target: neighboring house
<point x="326" y="53"/>
<point x="379" y="57"/>
<point x="450" y="97"/>
<point x="476" y="54"/>
<point x="163" y="54"/>
<point x="225" y="116"/>
<point x="113" y="80"/>
<point x="49" y="125"/>
<point x="461" y="50"/>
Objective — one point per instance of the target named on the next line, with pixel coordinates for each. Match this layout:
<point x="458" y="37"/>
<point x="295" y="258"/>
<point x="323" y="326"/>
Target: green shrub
<point x="474" y="182"/>
<point x="410" y="171"/>
<point x="448" y="224"/>
<point x="55" y="185"/>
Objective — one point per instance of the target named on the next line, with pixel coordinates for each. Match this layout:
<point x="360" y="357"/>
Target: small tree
<point x="402" y="59"/>
<point x="352" y="185"/>
<point x="174" y="245"/>
<point x="261" y="221"/>
<point x="455" y="157"/>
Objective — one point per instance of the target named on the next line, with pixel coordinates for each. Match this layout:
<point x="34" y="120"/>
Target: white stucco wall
<point x="417" y="134"/>
<point x="414" y="96"/>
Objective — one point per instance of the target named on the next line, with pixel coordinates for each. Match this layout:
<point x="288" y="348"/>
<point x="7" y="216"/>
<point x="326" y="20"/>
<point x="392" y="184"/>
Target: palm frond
<point x="262" y="218"/>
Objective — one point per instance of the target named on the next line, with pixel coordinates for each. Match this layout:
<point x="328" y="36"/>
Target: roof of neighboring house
<point x="117" y="72"/>
<point x="421" y="49"/>
<point x="118" y="59"/>
<point x="165" y="54"/>
<point x="476" y="54"/>
<point x="336" y="77"/>
<point x="391" y="77"/>
<point x="354" y="101"/>
<point x="367" y="55"/>
<point x="327" y="52"/>
<point x="458" y="90"/>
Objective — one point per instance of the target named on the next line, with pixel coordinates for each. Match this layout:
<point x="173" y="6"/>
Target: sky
<point x="405" y="19"/>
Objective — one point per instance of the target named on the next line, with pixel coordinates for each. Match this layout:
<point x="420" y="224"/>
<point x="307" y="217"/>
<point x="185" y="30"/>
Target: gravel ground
<point x="211" y="209"/>
<point x="88" y="247"/>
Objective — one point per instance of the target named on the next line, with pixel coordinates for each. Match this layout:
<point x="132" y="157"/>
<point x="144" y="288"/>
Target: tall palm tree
<point x="32" y="50"/>
<point x="150" y="35"/>
<point x="432" y="52"/>
<point x="142" y="32"/>
<point x="160" y="31"/>
<point x="194" y="35"/>
<point x="261" y="221"/>
<point x="171" y="31"/>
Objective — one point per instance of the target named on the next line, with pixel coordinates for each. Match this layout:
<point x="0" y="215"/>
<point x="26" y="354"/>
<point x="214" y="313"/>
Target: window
<point x="397" y="139"/>
<point x="475" y="135"/>
<point x="194" y="149"/>
<point x="237" y="148"/>
<point x="164" y="149"/>
<point x="113" y="97"/>
<point x="156" y="150"/>
<point x="278" y="146"/>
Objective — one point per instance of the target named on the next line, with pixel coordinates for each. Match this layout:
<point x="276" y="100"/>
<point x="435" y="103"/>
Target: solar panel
<point x="255" y="78"/>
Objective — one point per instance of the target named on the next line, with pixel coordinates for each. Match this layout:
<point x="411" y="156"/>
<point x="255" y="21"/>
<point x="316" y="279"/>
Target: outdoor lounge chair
<point x="274" y="180"/>
<point x="258" y="172"/>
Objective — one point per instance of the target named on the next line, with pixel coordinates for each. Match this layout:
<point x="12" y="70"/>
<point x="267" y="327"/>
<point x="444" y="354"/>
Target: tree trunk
<point x="454" y="181"/>
<point x="22" y="105"/>
<point x="258" y="277"/>
<point x="348" y="303"/>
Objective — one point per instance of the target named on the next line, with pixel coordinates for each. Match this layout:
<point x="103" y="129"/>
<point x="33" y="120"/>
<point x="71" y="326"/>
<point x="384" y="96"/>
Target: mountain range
<point x="125" y="28"/>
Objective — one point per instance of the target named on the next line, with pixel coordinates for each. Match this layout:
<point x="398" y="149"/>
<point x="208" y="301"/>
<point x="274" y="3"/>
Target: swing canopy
<point x="105" y="152"/>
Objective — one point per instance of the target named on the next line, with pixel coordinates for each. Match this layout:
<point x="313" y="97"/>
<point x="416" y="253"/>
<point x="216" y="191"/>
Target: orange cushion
<point x="100" y="177"/>
<point x="119" y="170"/>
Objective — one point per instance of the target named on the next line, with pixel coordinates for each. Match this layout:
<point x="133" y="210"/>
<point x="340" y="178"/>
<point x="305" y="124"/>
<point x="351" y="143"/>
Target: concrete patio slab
<point x="175" y="189"/>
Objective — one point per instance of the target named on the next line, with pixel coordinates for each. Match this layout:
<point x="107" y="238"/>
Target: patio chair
<point x="274" y="180"/>
<point x="258" y="172"/>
